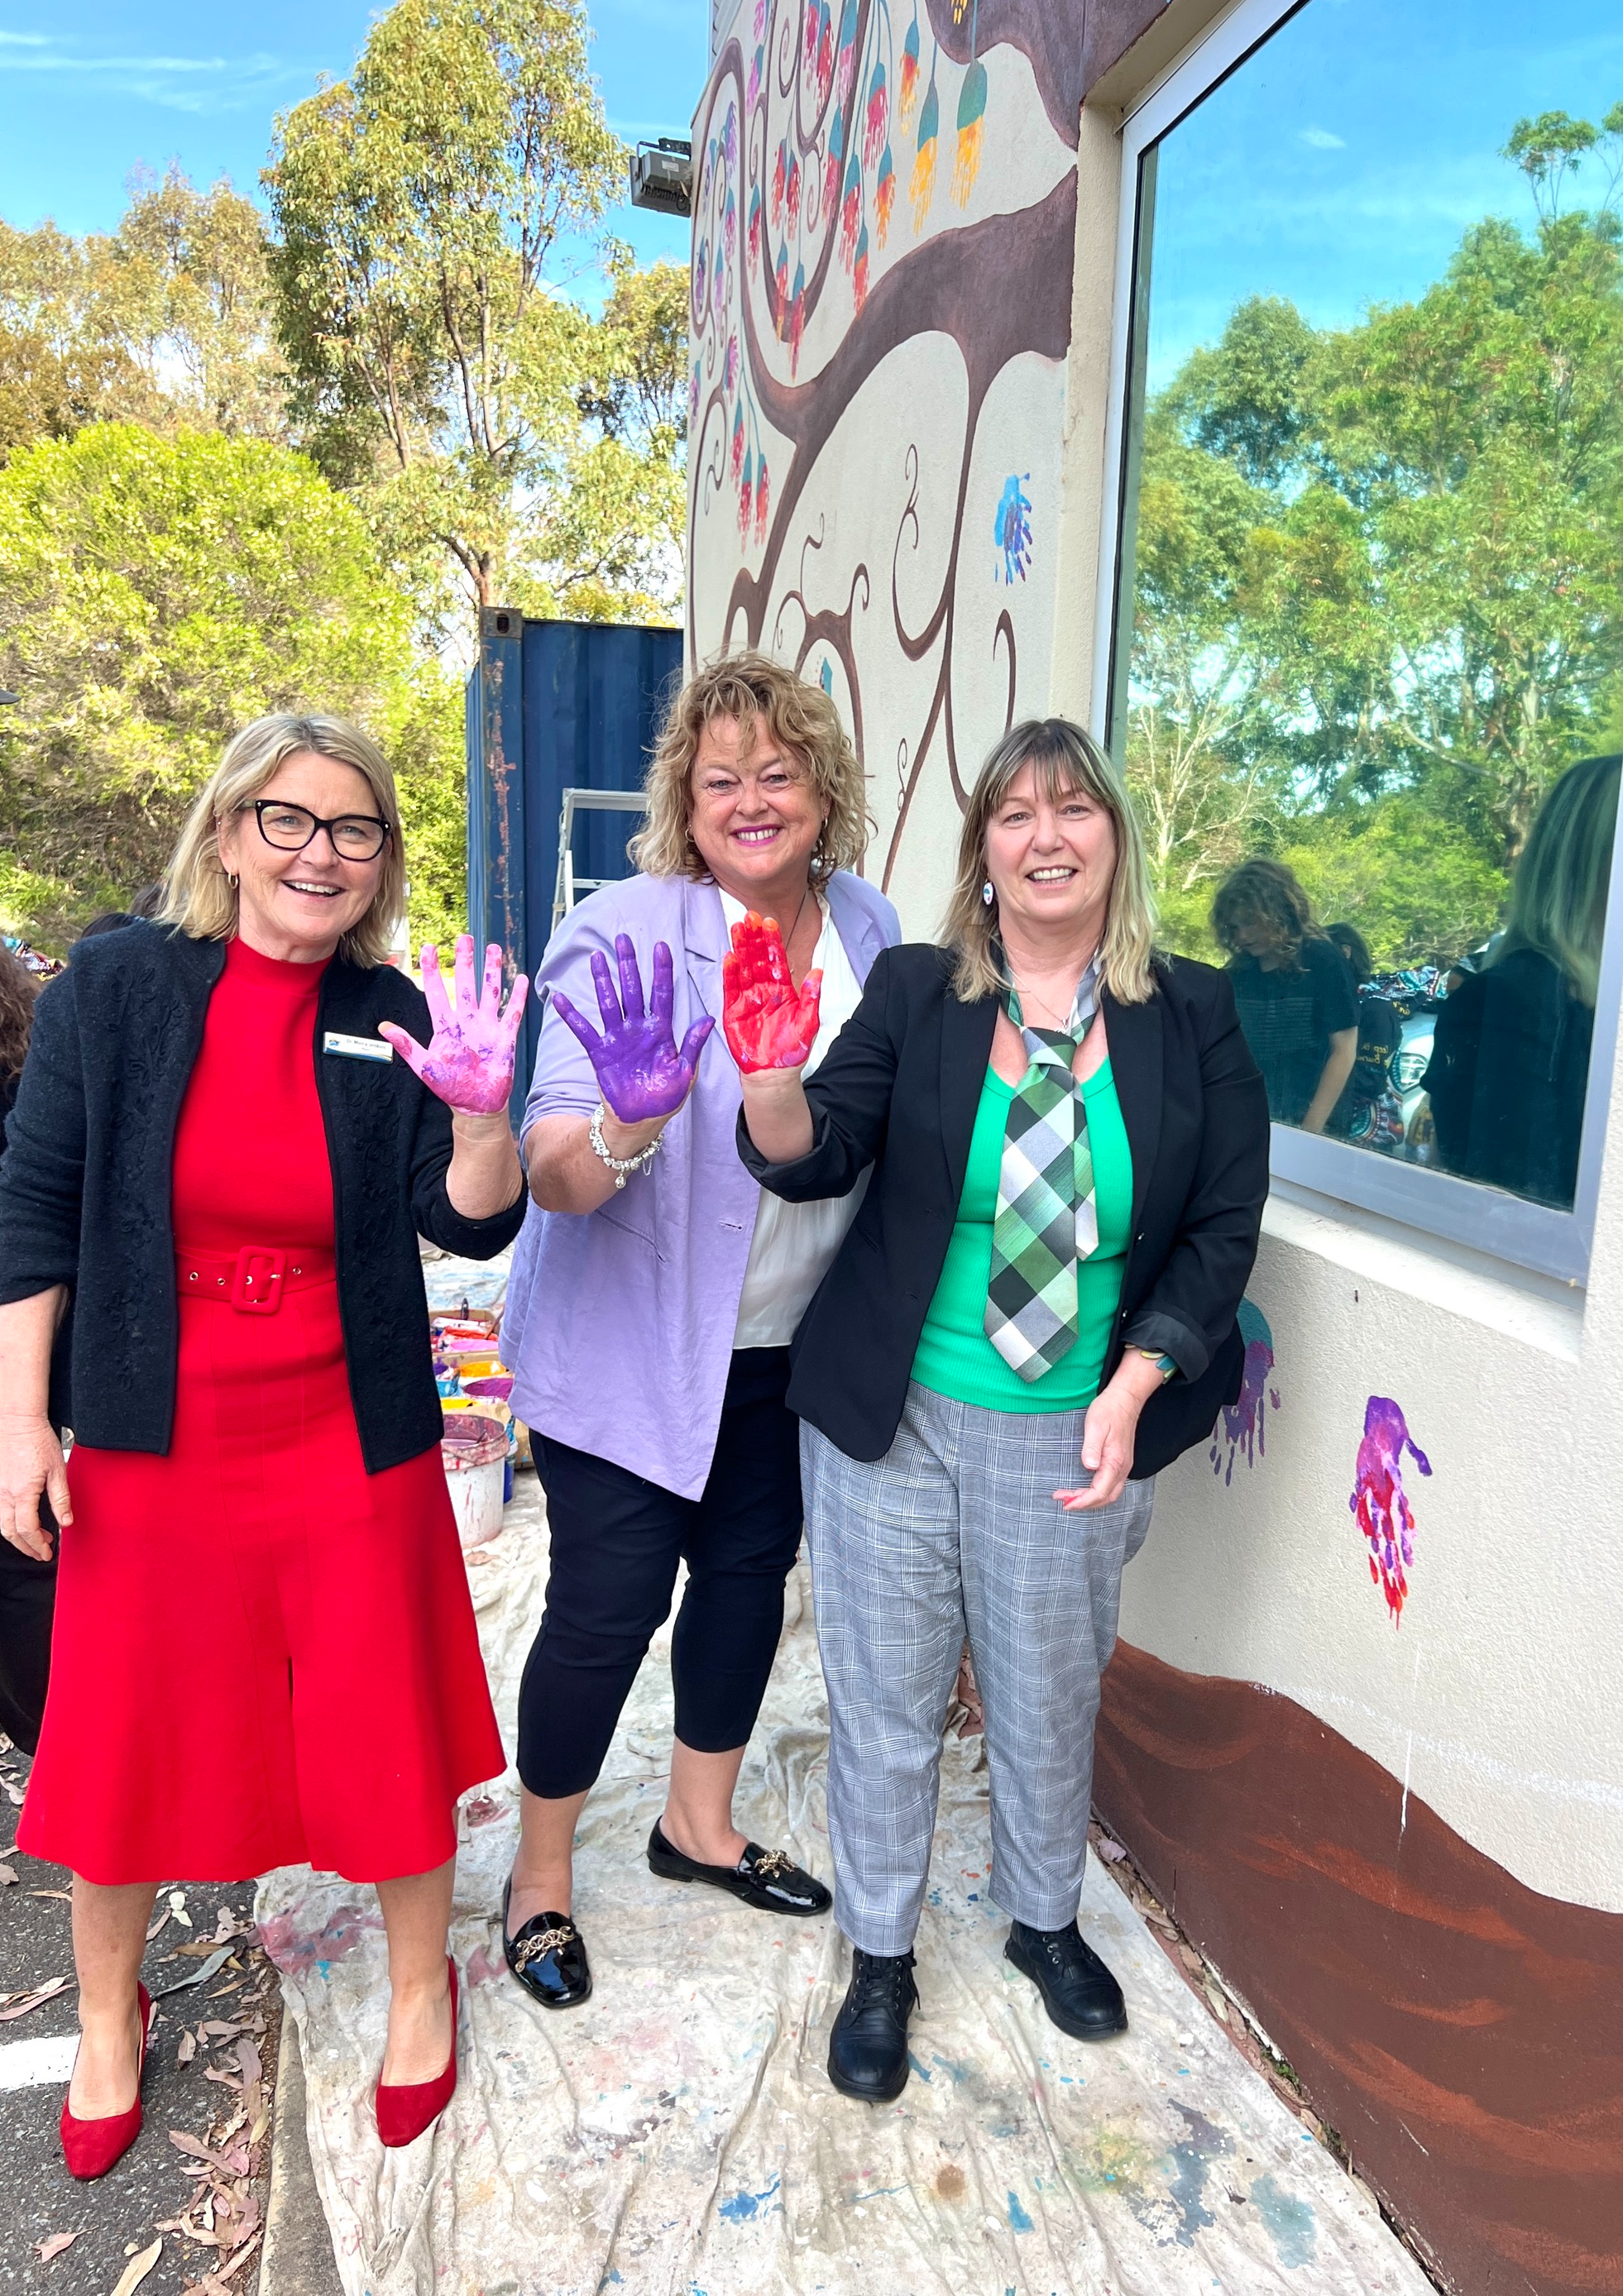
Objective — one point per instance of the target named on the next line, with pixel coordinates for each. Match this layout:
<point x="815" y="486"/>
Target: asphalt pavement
<point x="196" y="2084"/>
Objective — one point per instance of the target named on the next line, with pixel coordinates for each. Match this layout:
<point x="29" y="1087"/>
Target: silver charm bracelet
<point x="620" y="1166"/>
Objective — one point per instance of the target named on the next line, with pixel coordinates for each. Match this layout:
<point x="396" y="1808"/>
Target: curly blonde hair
<point x="799" y="718"/>
<point x="198" y="895"/>
<point x="1063" y="758"/>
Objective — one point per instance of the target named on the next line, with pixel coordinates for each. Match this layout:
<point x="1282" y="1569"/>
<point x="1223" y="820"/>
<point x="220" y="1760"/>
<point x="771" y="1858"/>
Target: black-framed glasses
<point x="355" y="836"/>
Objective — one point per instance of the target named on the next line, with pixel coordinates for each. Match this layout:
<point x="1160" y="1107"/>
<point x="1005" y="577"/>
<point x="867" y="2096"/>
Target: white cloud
<point x="193" y="84"/>
<point x="1322" y="140"/>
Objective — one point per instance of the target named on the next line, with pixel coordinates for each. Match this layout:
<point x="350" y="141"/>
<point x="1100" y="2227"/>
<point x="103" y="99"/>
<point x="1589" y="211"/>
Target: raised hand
<point x="769" y="1022"/>
<point x="468" y="1062"/>
<point x="640" y="1073"/>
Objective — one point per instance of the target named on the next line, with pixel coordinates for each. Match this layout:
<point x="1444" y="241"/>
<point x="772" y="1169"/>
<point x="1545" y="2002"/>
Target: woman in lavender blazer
<point x="655" y="1291"/>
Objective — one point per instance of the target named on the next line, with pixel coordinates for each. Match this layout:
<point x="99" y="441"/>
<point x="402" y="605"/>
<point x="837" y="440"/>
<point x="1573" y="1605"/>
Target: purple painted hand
<point x="468" y="1061"/>
<point x="640" y="1072"/>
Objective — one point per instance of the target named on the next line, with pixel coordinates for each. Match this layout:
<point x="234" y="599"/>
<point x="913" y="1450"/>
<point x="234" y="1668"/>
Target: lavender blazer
<point x="618" y="1327"/>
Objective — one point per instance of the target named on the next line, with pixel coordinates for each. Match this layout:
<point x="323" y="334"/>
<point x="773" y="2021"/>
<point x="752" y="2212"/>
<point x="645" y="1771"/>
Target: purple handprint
<point x="1379" y="1501"/>
<point x="640" y="1072"/>
<point x="468" y="1061"/>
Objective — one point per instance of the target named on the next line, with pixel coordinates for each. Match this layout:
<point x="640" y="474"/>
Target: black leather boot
<point x="867" y="2050"/>
<point x="1078" y="1992"/>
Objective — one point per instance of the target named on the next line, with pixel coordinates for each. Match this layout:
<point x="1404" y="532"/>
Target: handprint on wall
<point x="1379" y="1501"/>
<point x="1245" y="1421"/>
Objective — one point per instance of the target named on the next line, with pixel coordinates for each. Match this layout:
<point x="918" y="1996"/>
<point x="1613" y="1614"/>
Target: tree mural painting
<point x="884" y="215"/>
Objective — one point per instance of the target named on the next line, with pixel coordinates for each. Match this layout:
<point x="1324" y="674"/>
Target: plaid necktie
<point x="1046" y="1216"/>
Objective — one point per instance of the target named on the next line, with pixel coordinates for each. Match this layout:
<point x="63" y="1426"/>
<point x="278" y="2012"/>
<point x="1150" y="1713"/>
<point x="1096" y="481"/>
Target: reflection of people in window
<point x="1510" y="1059"/>
<point x="1369" y="1110"/>
<point x="1293" y="990"/>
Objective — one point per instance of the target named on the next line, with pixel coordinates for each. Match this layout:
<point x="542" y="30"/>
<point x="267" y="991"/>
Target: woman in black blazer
<point x="232" y="1126"/>
<point x="1069" y="1150"/>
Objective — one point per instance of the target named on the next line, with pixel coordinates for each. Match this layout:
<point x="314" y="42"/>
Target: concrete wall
<point x="1402" y="1842"/>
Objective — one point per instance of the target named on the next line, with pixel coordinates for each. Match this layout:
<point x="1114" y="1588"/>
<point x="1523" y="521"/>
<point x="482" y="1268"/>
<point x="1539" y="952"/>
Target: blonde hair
<point x="1558" y="894"/>
<point x="1063" y="758"/>
<point x="799" y="718"/>
<point x="199" y="897"/>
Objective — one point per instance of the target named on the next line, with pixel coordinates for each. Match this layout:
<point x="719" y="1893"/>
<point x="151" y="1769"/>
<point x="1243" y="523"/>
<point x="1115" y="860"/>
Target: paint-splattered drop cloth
<point x="262" y="1655"/>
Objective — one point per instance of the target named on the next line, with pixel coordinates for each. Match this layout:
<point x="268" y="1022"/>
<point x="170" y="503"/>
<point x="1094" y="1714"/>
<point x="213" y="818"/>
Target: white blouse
<point x="794" y="1245"/>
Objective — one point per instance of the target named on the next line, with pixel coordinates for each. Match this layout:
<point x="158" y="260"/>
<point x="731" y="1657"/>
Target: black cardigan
<point x="901" y="1088"/>
<point x="85" y="1188"/>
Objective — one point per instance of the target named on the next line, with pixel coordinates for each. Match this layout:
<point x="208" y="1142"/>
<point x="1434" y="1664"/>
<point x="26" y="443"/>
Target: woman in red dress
<point x="232" y="1125"/>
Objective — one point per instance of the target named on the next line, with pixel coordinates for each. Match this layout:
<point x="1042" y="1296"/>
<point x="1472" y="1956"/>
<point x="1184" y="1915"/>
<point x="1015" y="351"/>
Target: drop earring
<point x="987" y="894"/>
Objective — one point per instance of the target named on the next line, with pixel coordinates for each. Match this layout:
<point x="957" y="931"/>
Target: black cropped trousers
<point x="616" y="1542"/>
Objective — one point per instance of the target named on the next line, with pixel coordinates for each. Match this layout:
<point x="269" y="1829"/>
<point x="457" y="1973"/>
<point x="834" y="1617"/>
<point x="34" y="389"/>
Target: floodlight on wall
<point x="662" y="176"/>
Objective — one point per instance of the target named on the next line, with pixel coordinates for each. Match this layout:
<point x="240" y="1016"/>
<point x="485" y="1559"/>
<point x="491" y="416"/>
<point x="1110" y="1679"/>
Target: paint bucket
<point x="473" y="1450"/>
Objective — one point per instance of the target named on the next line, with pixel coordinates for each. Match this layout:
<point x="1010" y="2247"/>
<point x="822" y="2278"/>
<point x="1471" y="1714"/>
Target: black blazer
<point x="85" y="1179"/>
<point x="901" y="1088"/>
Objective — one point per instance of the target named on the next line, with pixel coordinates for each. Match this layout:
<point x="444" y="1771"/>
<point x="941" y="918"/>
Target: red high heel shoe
<point x="91" y="2147"/>
<point x="405" y="2109"/>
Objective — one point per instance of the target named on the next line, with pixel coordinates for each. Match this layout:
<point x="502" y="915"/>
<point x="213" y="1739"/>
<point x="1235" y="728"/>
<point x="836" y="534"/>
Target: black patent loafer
<point x="867" y="2050"/>
<point x="548" y="1957"/>
<point x="769" y="1880"/>
<point x="1080" y="1994"/>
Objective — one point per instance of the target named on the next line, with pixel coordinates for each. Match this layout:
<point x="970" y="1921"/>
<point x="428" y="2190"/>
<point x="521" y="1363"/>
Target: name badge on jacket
<point x="357" y="1048"/>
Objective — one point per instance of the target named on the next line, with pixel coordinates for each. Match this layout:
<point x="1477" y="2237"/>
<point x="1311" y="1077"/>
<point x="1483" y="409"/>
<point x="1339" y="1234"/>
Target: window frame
<point x="1430" y="1202"/>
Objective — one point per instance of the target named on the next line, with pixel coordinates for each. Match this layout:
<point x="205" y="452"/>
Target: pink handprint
<point x="468" y="1061"/>
<point x="1379" y="1501"/>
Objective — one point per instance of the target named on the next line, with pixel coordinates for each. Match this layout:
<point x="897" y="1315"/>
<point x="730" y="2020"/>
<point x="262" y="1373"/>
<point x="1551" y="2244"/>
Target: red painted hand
<point x="769" y="1022"/>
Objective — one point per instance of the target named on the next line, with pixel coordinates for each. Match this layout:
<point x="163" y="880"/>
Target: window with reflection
<point x="1368" y="675"/>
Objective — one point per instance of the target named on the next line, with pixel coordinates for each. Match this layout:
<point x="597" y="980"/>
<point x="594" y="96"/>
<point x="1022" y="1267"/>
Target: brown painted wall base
<point x="1463" y="2034"/>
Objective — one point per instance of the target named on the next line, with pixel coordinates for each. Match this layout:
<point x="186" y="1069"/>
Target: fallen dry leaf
<point x="8" y="1876"/>
<point x="18" y="2004"/>
<point x="1111" y="1852"/>
<point x="135" y="2271"/>
<point x="54" y="2244"/>
<point x="187" y="2050"/>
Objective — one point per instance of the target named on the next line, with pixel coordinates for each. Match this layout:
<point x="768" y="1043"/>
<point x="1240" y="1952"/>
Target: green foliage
<point x="1380" y="575"/>
<point x="155" y="593"/>
<point x="417" y="204"/>
<point x="166" y="322"/>
<point x="471" y="433"/>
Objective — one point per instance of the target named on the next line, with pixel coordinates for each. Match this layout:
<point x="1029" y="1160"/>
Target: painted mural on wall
<point x="1380" y="1502"/>
<point x="885" y="204"/>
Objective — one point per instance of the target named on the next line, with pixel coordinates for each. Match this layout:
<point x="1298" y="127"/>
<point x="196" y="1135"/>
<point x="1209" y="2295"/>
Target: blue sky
<point x="1341" y="165"/>
<point x="88" y="92"/>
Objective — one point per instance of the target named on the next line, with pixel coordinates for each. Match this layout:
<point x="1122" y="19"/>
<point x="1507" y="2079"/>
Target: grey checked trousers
<point x="957" y="1529"/>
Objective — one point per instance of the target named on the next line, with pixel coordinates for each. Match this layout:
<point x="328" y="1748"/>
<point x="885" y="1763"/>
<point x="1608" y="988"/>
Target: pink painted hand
<point x="769" y="1022"/>
<point x="1380" y="1502"/>
<point x="468" y="1061"/>
<point x="640" y="1073"/>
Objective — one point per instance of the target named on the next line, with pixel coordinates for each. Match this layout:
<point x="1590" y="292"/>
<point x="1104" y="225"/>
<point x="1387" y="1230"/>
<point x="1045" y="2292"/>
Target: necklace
<point x="799" y="912"/>
<point x="1057" y="1018"/>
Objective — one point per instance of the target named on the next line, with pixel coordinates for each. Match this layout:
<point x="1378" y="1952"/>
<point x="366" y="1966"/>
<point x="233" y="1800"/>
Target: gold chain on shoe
<point x="527" y="1949"/>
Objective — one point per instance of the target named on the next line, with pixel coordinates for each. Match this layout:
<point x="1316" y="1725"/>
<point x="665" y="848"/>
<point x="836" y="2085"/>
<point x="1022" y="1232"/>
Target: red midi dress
<point x="262" y="1655"/>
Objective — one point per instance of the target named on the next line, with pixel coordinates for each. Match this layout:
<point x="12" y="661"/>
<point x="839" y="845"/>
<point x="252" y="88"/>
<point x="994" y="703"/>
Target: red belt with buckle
<point x="253" y="1280"/>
